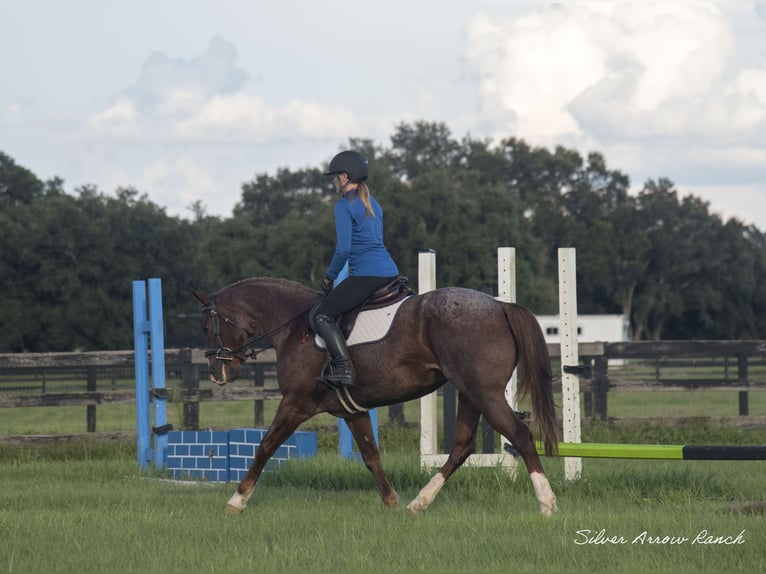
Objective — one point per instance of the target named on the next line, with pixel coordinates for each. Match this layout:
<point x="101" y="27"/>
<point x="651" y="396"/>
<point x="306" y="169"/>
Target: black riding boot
<point x="342" y="373"/>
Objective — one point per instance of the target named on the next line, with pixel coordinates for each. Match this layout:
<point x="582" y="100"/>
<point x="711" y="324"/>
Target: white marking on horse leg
<point x="544" y="494"/>
<point x="427" y="494"/>
<point x="237" y="503"/>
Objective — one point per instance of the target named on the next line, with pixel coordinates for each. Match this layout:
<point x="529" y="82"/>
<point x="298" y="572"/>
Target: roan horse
<point x="449" y="334"/>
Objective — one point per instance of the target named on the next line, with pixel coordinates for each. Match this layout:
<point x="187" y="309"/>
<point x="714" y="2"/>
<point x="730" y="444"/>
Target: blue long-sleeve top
<point x="359" y="240"/>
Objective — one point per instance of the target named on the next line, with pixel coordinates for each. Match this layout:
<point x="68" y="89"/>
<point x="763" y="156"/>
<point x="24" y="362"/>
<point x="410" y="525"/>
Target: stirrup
<point x="335" y="383"/>
<point x="336" y="379"/>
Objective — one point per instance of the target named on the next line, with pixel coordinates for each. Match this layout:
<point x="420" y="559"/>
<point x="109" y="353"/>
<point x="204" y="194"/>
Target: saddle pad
<point x="370" y="325"/>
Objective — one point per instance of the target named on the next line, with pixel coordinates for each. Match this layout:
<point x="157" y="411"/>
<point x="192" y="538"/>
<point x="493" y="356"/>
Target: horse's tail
<point x="535" y="378"/>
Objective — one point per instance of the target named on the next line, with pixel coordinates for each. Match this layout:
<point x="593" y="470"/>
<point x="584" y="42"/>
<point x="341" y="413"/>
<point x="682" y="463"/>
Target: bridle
<point x="223" y="353"/>
<point x="244" y="351"/>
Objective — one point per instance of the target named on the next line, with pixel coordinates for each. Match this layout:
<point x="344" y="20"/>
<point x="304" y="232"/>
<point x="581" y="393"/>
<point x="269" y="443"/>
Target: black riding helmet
<point x="351" y="162"/>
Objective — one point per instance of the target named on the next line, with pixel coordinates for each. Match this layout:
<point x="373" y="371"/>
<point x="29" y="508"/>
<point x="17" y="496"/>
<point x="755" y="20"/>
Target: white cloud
<point x="200" y="101"/>
<point x="750" y="90"/>
<point x="680" y="49"/>
<point x="121" y="120"/>
<point x="249" y="119"/>
<point x="532" y="67"/>
<point x="606" y="70"/>
<point x="663" y="89"/>
<point x="214" y="72"/>
<point x="177" y="182"/>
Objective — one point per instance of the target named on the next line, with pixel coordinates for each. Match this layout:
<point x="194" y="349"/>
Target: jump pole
<point x="655" y="451"/>
<point x="148" y="330"/>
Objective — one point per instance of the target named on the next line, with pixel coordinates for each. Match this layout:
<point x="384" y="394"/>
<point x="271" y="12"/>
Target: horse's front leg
<point x="361" y="429"/>
<point x="286" y="420"/>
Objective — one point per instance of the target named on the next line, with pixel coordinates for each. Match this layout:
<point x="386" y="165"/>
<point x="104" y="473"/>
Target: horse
<point x="449" y="334"/>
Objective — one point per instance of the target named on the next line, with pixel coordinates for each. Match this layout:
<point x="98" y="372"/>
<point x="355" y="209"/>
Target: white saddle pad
<point x="370" y="325"/>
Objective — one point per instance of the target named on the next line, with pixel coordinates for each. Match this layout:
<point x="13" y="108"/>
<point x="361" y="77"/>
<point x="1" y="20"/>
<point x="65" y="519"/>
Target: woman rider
<point x="359" y="241"/>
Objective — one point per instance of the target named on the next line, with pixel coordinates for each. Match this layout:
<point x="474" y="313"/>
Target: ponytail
<point x="364" y="194"/>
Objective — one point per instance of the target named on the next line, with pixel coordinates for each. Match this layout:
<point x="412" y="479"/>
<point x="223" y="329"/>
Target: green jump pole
<point x="654" y="451"/>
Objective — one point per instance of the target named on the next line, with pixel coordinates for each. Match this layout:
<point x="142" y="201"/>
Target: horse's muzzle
<point x="223" y="372"/>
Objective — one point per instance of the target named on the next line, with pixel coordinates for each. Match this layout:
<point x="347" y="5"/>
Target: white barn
<point x="590" y="328"/>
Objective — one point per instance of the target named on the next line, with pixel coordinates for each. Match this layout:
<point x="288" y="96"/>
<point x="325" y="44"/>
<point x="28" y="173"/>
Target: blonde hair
<point x="364" y="194"/>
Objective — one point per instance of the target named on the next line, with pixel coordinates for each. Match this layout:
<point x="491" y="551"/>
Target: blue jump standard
<point x="224" y="456"/>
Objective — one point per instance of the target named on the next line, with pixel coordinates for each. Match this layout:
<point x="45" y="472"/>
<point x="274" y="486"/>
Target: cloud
<point x="202" y="100"/>
<point x="604" y="70"/>
<point x="658" y="87"/>
<point x="178" y="181"/>
<point x="214" y="72"/>
<point x="532" y="67"/>
<point x="663" y="89"/>
<point x="246" y="118"/>
<point x="120" y="120"/>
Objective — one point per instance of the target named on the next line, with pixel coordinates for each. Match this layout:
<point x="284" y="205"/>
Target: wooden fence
<point x="735" y="366"/>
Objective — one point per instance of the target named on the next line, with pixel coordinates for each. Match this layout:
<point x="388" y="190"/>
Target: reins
<point x="227" y="354"/>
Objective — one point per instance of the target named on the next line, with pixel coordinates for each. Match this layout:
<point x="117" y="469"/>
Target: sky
<point x="186" y="100"/>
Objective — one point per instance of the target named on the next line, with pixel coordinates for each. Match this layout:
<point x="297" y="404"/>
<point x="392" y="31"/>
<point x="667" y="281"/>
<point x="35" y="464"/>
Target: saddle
<point x="383" y="296"/>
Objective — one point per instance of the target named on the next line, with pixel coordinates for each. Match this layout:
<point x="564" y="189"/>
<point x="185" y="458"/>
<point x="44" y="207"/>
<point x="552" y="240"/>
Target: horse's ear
<point x="201" y="296"/>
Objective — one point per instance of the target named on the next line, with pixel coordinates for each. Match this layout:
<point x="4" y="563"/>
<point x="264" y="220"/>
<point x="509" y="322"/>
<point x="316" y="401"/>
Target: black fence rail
<point x="97" y="378"/>
<point x="670" y="366"/>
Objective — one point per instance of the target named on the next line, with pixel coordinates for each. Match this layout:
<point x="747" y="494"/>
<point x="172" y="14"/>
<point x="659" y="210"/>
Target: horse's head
<point x="226" y="339"/>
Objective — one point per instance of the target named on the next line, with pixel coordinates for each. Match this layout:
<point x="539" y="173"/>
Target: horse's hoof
<point x="549" y="510"/>
<point x="391" y="502"/>
<point x="414" y="509"/>
<point x="236" y="504"/>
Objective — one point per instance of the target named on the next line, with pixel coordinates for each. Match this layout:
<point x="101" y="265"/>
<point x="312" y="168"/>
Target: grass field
<point x="85" y="506"/>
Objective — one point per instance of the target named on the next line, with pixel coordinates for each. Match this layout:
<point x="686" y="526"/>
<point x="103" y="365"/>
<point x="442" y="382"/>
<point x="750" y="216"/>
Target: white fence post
<point x="506" y="291"/>
<point x="570" y="383"/>
<point x="428" y="405"/>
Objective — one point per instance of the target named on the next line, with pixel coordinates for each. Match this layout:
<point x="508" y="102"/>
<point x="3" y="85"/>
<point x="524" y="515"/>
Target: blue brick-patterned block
<point x="199" y="455"/>
<point x="222" y="456"/>
<point x="244" y="442"/>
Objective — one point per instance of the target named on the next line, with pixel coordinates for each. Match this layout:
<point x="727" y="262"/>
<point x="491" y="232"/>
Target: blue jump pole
<point x="345" y="440"/>
<point x="159" y="393"/>
<point x="149" y="329"/>
<point x="141" y="344"/>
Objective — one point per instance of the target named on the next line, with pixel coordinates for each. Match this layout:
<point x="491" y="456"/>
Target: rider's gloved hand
<point x="326" y="285"/>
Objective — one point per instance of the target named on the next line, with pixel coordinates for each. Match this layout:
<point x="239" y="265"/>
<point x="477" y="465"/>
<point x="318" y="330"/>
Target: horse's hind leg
<point x="465" y="443"/>
<point x="502" y="418"/>
<point x="361" y="429"/>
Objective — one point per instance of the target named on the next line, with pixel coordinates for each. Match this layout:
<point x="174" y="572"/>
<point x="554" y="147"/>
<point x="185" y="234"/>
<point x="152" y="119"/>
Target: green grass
<point x="87" y="508"/>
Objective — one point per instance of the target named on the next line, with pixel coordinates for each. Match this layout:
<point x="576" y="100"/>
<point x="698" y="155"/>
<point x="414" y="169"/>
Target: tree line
<point x="675" y="269"/>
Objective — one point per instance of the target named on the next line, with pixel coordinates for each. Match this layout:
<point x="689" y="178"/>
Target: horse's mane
<point x="285" y="284"/>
